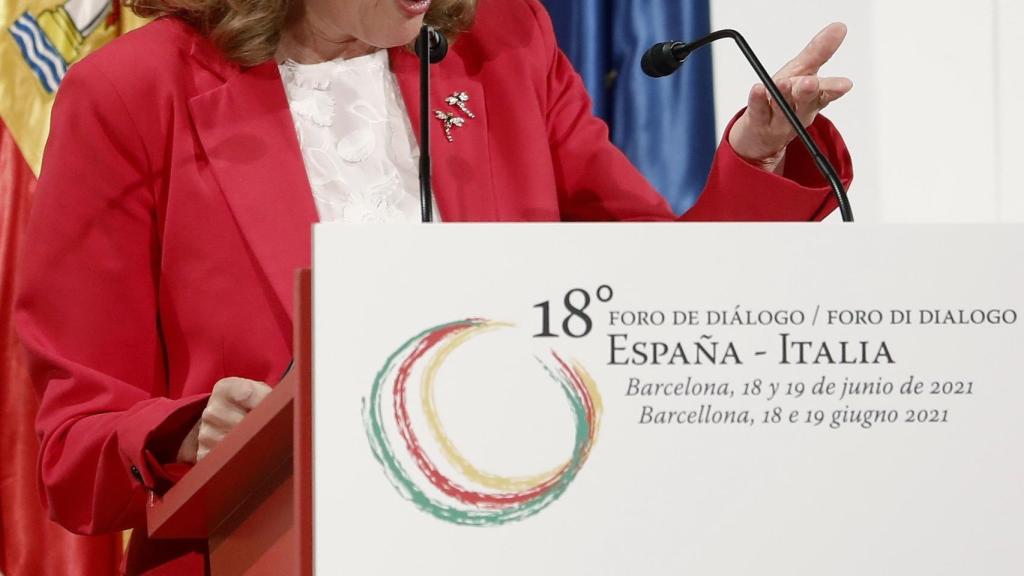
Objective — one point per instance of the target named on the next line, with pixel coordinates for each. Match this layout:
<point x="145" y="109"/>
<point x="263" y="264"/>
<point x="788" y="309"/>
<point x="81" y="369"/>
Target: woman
<point x="177" y="195"/>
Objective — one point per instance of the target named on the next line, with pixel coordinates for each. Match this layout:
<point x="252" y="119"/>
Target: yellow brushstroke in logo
<point x="451" y="453"/>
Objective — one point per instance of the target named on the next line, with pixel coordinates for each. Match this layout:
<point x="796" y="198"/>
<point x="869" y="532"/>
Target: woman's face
<point x="379" y="23"/>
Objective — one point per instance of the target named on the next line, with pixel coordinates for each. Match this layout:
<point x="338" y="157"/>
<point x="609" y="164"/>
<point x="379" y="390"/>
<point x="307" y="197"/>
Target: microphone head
<point x="438" y="45"/>
<point x="661" y="60"/>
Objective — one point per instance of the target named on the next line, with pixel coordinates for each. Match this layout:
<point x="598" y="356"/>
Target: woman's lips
<point x="414" y="7"/>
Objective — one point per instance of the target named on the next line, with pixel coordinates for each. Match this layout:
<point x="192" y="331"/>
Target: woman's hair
<point x="248" y="31"/>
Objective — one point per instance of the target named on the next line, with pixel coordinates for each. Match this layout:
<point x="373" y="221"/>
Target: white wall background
<point x="934" y="123"/>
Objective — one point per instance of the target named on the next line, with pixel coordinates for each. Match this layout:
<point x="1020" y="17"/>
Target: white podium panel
<point x="624" y="399"/>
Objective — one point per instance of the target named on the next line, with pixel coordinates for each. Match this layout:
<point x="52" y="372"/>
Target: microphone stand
<point x="680" y="51"/>
<point x="423" y="48"/>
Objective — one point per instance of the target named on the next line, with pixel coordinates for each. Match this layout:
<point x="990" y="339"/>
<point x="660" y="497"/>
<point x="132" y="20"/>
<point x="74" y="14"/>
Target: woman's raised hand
<point x="231" y="400"/>
<point x="762" y="133"/>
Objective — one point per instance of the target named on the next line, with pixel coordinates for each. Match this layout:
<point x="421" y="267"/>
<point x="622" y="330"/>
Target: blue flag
<point x="665" y="126"/>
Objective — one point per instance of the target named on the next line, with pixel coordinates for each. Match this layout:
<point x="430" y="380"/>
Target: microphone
<point x="431" y="48"/>
<point x="438" y="45"/>
<point x="665" y="58"/>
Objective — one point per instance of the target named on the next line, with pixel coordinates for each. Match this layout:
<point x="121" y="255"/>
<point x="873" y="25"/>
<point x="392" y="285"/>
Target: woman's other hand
<point x="762" y="133"/>
<point x="231" y="400"/>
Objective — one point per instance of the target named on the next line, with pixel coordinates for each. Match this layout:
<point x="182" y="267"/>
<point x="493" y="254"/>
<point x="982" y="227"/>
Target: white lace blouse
<point x="357" y="142"/>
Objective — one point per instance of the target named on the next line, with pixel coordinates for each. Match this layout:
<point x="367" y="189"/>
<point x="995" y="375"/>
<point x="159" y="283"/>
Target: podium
<point x="633" y="399"/>
<point x="251" y="498"/>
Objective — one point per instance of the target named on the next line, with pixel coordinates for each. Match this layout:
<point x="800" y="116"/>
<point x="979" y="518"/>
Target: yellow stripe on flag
<point x="39" y="39"/>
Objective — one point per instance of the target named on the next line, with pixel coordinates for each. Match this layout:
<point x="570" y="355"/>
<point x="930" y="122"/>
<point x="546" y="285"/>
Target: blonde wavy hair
<point x="247" y="31"/>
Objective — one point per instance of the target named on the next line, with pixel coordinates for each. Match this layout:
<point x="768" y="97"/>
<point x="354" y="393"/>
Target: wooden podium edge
<point x="303" y="422"/>
<point x="221" y="483"/>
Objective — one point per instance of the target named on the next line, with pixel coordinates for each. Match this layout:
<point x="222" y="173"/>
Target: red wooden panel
<point x="304" y="420"/>
<point x="260" y="540"/>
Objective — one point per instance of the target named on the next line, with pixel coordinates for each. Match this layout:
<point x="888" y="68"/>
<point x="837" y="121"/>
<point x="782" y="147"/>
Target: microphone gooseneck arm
<point x="423" y="49"/>
<point x="665" y="58"/>
<point x="431" y="48"/>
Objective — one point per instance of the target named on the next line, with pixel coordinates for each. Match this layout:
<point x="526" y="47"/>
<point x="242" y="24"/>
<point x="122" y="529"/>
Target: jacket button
<point x="136" y="474"/>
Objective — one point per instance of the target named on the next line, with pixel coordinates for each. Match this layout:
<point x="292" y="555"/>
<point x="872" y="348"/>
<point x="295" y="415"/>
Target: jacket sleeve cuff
<point x="150" y="440"/>
<point x="739" y="191"/>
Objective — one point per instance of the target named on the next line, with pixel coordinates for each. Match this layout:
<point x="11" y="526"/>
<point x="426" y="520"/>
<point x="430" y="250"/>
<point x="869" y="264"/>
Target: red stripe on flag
<point x="30" y="544"/>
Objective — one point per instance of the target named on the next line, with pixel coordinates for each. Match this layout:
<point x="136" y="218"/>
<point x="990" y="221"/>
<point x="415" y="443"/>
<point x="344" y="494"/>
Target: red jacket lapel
<point x="245" y="126"/>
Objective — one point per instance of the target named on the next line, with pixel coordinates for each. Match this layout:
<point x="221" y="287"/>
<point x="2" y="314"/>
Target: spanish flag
<point x="39" y="40"/>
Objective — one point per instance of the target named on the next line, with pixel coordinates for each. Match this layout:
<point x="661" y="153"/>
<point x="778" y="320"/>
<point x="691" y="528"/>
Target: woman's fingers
<point x="788" y="87"/>
<point x="202" y="451"/>
<point x="807" y="95"/>
<point x="835" y="88"/>
<point x="210" y="436"/>
<point x="240" y="392"/>
<point x="254" y="393"/>
<point x="214" y="426"/>
<point x="216" y="422"/>
<point x="818" y="51"/>
<point x="759" y="106"/>
<point x="224" y="417"/>
<point x="231" y="400"/>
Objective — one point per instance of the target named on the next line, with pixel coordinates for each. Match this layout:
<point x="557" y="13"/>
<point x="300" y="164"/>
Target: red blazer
<point x="173" y="207"/>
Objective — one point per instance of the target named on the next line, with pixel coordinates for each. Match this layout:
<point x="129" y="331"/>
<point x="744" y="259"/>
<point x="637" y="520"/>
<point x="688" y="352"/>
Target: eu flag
<point x="666" y="126"/>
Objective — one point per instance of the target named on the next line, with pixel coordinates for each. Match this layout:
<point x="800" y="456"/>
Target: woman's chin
<point x="403" y="35"/>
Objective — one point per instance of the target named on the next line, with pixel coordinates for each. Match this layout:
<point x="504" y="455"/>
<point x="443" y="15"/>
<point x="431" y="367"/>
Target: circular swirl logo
<point x="461" y="492"/>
